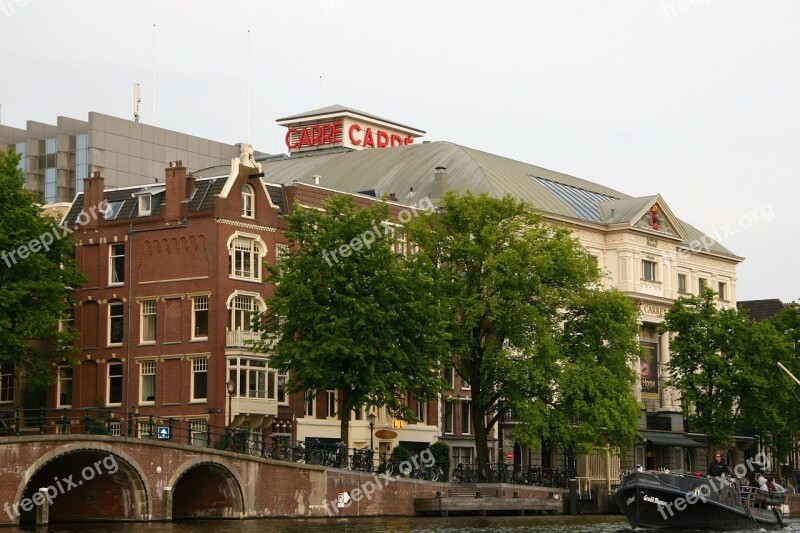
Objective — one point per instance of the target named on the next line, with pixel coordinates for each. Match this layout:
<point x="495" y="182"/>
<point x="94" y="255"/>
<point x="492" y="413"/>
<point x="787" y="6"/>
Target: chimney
<point x="316" y="179"/>
<point x="175" y="194"/>
<point x="190" y="185"/>
<point x="392" y="197"/>
<point x="439" y="182"/>
<point x="92" y="198"/>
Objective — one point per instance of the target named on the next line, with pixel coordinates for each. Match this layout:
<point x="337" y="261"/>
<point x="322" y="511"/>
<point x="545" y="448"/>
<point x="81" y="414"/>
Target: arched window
<point x="247" y="201"/>
<point x="245" y="255"/>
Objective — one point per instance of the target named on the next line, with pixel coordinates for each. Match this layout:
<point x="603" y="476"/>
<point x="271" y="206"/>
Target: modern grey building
<point x="57" y="158"/>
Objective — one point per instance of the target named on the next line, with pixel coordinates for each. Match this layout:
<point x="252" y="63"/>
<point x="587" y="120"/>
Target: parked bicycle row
<point x="513" y="474"/>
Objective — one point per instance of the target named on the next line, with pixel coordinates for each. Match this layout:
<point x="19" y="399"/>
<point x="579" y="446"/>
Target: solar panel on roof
<point x="581" y="201"/>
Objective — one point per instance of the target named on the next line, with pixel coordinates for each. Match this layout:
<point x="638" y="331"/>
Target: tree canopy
<point x="529" y="328"/>
<point x="350" y="314"/>
<point x="725" y="367"/>
<point x="37" y="274"/>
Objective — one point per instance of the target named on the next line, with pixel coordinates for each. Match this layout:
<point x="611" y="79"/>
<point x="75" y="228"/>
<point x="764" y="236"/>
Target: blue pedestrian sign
<point x="163" y="432"/>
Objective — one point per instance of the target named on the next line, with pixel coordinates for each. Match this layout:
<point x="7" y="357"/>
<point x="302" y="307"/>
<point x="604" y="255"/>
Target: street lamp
<point x="231" y="386"/>
<point x="371" y="419"/>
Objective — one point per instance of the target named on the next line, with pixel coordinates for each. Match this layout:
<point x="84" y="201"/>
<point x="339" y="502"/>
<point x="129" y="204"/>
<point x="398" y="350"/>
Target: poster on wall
<point x="649" y="371"/>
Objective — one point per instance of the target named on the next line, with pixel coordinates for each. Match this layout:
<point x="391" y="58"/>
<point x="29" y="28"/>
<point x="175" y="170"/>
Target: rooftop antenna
<point x="153" y="103"/>
<point x="247" y="133"/>
<point x="137" y="99"/>
<point x="321" y="99"/>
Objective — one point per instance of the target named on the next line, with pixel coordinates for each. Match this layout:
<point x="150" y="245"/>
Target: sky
<point x="698" y="100"/>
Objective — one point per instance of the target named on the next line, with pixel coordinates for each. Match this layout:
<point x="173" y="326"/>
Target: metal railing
<point x="513" y="474"/>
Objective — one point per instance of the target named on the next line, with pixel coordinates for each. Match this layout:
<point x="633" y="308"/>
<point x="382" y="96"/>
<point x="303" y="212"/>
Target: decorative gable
<point x="656" y="220"/>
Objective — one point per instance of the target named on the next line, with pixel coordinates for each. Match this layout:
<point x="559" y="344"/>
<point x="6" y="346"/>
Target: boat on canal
<point x="671" y="500"/>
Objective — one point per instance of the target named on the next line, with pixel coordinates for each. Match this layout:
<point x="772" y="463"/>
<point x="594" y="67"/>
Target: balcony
<point x="253" y="406"/>
<point x="238" y="338"/>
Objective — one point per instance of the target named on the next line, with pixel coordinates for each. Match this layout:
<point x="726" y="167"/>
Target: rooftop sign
<point x="341" y="127"/>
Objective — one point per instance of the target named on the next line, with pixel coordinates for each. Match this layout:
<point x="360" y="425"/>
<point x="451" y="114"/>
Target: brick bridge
<point x="99" y="477"/>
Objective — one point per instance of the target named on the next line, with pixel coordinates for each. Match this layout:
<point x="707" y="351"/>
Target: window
<point x="147" y="384"/>
<point x="448" y="417"/>
<point x="115" y="428"/>
<point x="145" y="204"/>
<point x="466" y="426"/>
<point x="281" y="253"/>
<point x="148" y="330"/>
<point x="199" y="432"/>
<point x="114" y="391"/>
<point x="450" y="377"/>
<point x="200" y="379"/>
<point x="66" y="323"/>
<point x="116" y="311"/>
<point x="722" y="292"/>
<point x="247" y="201"/>
<point x="116" y="263"/>
<point x="65" y="386"/>
<point x="702" y="283"/>
<point x="648" y="270"/>
<point x="330" y="404"/>
<point x="400" y="241"/>
<point x="465" y="384"/>
<point x="462" y="455"/>
<point x="309" y="401"/>
<point x="422" y="409"/>
<point x="241" y="314"/>
<point x="682" y="283"/>
<point x="200" y="317"/>
<point x="245" y="258"/>
<point x="145" y="430"/>
<point x="282" y="398"/>
<point x="6" y="382"/>
<point x="250" y="375"/>
<point x="358" y="414"/>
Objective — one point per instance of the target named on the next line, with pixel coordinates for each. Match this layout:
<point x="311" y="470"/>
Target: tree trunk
<point x="481" y="439"/>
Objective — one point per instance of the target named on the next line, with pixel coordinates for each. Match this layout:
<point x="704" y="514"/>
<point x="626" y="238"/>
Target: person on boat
<point x="762" y="482"/>
<point x="774" y="485"/>
<point x="718" y="466"/>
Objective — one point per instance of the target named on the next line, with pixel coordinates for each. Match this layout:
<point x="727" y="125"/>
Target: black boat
<point x="668" y="500"/>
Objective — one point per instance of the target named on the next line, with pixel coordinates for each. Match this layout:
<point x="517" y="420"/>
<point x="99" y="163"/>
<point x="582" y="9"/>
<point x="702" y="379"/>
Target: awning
<point x="670" y="439"/>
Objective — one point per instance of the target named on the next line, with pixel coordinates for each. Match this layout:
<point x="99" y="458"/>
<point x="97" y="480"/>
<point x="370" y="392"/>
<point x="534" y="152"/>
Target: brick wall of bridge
<point x="200" y="482"/>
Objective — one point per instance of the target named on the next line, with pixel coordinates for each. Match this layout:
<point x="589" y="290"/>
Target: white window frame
<point x="278" y="387"/>
<point x="145" y="204"/>
<point x="309" y="404"/>
<point x="115" y="246"/>
<point x="251" y="375"/>
<point x="199" y="304"/>
<point x="198" y="432"/>
<point x="449" y="429"/>
<point x="685" y="288"/>
<point x="245" y="248"/>
<point x="464" y="383"/>
<point x="147" y="369"/>
<point x="144" y="430"/>
<point x="331" y="404"/>
<point x="422" y="411"/>
<point x="148" y="311"/>
<point x="466" y="408"/>
<point x="108" y="382"/>
<point x="121" y="316"/>
<point x="61" y="382"/>
<point x="653" y="270"/>
<point x="450" y="372"/>
<point x="248" y="201"/>
<point x="7" y="383"/>
<point x="199" y="366"/>
<point x="722" y="291"/>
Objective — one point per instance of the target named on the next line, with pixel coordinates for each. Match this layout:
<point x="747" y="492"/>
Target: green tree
<point x="37" y="273"/>
<point x="529" y="329"/>
<point x="363" y="322"/>
<point x="724" y="365"/>
<point x="787" y="324"/>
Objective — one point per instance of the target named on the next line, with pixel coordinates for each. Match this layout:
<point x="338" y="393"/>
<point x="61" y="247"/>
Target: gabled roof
<point x="408" y="172"/>
<point x="760" y="310"/>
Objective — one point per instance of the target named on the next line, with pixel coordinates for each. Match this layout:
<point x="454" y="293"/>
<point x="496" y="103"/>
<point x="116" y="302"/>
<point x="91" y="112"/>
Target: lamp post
<point x="371" y="419"/>
<point x="231" y="386"/>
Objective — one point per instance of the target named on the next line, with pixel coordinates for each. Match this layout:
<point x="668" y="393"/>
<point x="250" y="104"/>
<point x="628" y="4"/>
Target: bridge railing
<point x="196" y="432"/>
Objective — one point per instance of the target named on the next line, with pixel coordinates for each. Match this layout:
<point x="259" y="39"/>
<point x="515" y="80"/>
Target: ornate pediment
<point x="656" y="220"/>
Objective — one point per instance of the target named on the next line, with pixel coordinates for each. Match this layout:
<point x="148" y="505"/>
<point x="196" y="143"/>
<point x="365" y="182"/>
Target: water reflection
<point x="499" y="524"/>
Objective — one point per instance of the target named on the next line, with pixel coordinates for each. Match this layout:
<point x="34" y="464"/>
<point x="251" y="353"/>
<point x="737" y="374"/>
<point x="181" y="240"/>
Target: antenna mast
<point x="153" y="120"/>
<point x="247" y="82"/>
<point x="137" y="99"/>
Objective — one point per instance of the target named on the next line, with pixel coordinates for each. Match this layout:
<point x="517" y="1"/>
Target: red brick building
<point x="175" y="270"/>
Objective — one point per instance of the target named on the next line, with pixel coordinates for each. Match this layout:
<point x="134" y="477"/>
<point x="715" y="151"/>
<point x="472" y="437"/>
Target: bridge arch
<point x="86" y="481"/>
<point x="206" y="488"/>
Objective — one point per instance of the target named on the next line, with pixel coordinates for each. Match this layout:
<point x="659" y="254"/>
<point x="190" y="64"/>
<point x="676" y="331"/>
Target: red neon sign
<point x="331" y="132"/>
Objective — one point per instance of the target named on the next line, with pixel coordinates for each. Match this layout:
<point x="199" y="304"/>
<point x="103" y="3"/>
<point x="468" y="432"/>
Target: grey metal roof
<point x="399" y="169"/>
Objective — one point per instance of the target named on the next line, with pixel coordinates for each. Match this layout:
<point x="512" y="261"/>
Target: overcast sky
<point x="698" y="100"/>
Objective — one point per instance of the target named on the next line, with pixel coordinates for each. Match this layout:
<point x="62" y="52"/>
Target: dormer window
<point x="145" y="205"/>
<point x="247" y="201"/>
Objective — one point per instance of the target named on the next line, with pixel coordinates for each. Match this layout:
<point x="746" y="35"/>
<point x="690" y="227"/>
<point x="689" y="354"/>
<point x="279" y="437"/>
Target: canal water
<point x="499" y="524"/>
